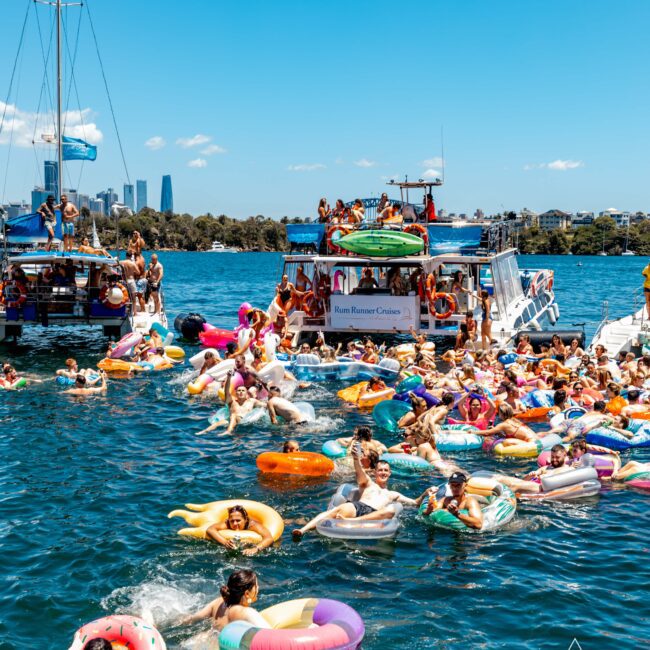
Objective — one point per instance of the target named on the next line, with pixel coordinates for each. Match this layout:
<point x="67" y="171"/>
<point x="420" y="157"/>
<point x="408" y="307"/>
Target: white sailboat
<point x="627" y="252"/>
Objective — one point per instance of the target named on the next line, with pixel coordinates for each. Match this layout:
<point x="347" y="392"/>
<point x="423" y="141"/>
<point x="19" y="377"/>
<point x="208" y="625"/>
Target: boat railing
<point x="41" y="302"/>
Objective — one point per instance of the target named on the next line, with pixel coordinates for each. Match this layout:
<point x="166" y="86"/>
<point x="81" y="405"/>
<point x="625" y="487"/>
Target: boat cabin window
<point x="376" y="280"/>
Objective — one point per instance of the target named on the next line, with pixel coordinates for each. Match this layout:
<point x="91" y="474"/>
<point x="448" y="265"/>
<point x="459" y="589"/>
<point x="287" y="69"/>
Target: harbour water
<point x="86" y="484"/>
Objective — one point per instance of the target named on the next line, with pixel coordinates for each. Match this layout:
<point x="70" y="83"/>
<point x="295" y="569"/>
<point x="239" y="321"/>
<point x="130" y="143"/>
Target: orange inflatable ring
<point x="452" y="305"/>
<point x="331" y="245"/>
<point x="420" y="231"/>
<point x="535" y="414"/>
<point x="305" y="463"/>
<point x="554" y="363"/>
<point x="103" y="296"/>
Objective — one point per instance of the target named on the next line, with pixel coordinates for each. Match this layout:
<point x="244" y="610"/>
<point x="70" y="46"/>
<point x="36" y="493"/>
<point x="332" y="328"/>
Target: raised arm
<point x="363" y="480"/>
<point x="206" y="612"/>
<point x="226" y="389"/>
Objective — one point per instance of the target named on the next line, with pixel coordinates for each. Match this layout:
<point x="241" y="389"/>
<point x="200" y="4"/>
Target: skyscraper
<point x="128" y="196"/>
<point x="166" y="196"/>
<point x="141" y="202"/>
<point x="108" y="197"/>
<point x="52" y="178"/>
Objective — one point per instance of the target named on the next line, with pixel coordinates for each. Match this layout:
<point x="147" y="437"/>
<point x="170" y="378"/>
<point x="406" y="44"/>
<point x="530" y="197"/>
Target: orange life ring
<point x="312" y="306"/>
<point x="331" y="245"/>
<point x="452" y="304"/>
<point x="14" y="294"/>
<point x="420" y="231"/>
<point x="104" y="293"/>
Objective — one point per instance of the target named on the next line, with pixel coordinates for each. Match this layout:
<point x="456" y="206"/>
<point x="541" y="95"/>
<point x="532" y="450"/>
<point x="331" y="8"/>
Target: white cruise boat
<point x="521" y="299"/>
<point x="218" y="247"/>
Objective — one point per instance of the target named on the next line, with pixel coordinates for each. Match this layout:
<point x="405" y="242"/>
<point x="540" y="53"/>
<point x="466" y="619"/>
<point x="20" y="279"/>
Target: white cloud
<point x="198" y="163"/>
<point x="364" y="162"/>
<point x="563" y="165"/>
<point x="154" y="143"/>
<point x="556" y="165"/>
<point x="21" y="127"/>
<point x="212" y="148"/>
<point x="433" y="162"/>
<point x="305" y="168"/>
<point x="431" y="173"/>
<point x="194" y="141"/>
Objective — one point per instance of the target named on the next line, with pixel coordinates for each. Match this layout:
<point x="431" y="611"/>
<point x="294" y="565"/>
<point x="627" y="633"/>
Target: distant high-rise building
<point x="83" y="201"/>
<point x="141" y="187"/>
<point x="108" y="197"/>
<point x="96" y="205"/>
<point x="128" y="196"/>
<point x="52" y="178"/>
<point x="166" y="195"/>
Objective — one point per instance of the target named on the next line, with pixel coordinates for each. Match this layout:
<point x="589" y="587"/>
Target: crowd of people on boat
<point x="387" y="212"/>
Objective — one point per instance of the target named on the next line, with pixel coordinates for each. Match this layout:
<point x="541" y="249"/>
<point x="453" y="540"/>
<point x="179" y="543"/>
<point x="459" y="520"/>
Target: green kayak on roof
<point x="381" y="243"/>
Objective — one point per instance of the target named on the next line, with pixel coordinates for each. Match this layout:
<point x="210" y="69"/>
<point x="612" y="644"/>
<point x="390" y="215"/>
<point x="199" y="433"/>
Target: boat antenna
<point x="442" y="151"/>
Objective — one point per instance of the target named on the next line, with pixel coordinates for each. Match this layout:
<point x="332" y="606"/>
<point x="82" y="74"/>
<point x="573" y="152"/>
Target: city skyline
<point x="525" y="122"/>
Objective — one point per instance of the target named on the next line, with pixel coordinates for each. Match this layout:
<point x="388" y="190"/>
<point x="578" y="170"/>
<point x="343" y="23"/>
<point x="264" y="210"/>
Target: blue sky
<point x="264" y="107"/>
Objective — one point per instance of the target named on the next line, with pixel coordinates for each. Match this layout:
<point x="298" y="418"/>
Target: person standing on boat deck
<point x="136" y="244"/>
<point x="131" y="272"/>
<point x="429" y="208"/>
<point x="69" y="213"/>
<point x="154" y="276"/>
<point x="48" y="216"/>
<point x="486" y="322"/>
<point x="324" y="211"/>
<point x="646" y="287"/>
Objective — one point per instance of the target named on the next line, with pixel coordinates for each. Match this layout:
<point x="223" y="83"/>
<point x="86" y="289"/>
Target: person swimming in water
<point x="461" y="505"/>
<point x="234" y="603"/>
<point x="239" y="405"/>
<point x="238" y="519"/>
<point x="85" y="386"/>
<point x="279" y="406"/>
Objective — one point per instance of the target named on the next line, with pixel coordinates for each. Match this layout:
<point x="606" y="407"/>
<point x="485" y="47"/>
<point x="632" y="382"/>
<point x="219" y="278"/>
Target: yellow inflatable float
<point x="174" y="352"/>
<point x="356" y="395"/>
<point x="205" y="515"/>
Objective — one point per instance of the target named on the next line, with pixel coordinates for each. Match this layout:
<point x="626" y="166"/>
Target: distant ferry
<point x="218" y="247"/>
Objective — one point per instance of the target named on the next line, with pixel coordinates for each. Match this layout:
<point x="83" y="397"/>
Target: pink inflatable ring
<point x="129" y="631"/>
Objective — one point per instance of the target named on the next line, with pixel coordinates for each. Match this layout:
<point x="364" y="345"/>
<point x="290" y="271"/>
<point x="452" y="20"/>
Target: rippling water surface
<point x="86" y="484"/>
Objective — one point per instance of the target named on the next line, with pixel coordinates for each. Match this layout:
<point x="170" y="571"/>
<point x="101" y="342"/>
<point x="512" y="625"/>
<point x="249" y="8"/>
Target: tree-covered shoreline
<point x="184" y="232"/>
<point x="602" y="234"/>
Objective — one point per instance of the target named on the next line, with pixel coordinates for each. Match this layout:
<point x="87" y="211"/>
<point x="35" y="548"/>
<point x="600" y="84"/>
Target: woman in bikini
<point x="510" y="426"/>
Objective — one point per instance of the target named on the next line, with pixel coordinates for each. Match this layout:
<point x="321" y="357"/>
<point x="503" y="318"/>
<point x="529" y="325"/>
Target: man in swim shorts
<point x="131" y="273"/>
<point x="154" y="278"/>
<point x="374" y="502"/>
<point x="48" y="216"/>
<point x="69" y="213"/>
<point x="280" y="406"/>
<point x="458" y="502"/>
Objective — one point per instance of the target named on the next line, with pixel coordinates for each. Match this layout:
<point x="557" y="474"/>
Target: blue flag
<point x="75" y="149"/>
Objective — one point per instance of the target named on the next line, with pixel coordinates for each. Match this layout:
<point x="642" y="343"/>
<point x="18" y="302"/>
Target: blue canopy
<point x="453" y="239"/>
<point x="306" y="233"/>
<point x="29" y="227"/>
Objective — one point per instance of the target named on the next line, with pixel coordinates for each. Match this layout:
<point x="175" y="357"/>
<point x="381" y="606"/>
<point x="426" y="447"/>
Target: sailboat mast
<point x="59" y="104"/>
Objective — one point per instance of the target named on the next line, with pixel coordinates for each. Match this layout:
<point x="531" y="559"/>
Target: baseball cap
<point x="458" y="477"/>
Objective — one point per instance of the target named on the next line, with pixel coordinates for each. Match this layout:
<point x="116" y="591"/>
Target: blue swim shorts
<point x="67" y="228"/>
